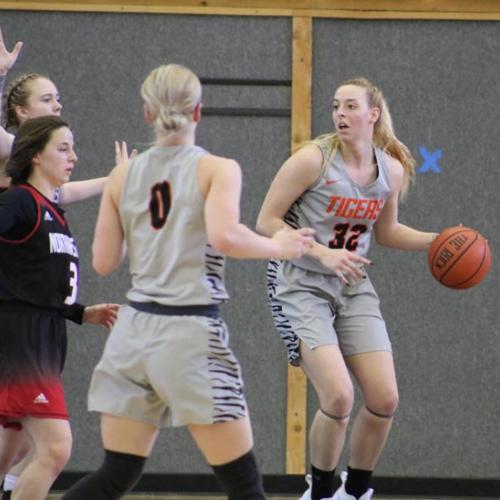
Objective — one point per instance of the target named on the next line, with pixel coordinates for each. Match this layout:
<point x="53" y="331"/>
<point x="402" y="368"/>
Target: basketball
<point x="459" y="257"/>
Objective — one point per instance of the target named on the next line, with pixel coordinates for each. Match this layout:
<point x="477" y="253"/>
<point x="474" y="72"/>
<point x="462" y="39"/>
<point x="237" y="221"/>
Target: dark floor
<point x="152" y="496"/>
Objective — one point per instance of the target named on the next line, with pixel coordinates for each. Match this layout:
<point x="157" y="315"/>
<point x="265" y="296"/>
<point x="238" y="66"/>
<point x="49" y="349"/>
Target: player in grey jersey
<point x="168" y="362"/>
<point x="346" y="185"/>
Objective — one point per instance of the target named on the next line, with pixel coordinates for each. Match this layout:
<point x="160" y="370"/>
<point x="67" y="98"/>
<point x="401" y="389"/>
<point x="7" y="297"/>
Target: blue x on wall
<point x="430" y="164"/>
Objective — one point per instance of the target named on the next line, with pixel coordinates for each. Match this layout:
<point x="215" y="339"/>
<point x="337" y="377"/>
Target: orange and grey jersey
<point x="162" y="214"/>
<point x="341" y="211"/>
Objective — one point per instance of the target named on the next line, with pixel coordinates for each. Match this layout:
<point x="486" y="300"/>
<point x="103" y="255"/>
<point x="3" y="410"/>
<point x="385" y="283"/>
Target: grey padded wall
<point x="441" y="82"/>
<point x="98" y="62"/>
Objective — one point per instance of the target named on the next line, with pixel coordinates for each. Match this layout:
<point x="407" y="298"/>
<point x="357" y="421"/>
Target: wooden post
<point x="296" y="425"/>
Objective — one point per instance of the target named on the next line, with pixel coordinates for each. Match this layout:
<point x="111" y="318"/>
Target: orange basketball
<point x="459" y="257"/>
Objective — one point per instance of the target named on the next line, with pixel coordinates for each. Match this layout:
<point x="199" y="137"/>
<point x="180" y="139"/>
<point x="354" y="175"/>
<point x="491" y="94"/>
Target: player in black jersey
<point x="32" y="95"/>
<point x="38" y="291"/>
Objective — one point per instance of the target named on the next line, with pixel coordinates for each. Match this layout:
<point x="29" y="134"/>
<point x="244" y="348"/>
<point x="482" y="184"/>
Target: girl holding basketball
<point x="346" y="185"/>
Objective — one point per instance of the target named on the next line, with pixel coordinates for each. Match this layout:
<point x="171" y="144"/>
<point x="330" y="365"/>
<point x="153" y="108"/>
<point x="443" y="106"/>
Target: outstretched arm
<point x="72" y="192"/>
<point x="7" y="60"/>
<point x="222" y="218"/>
<point x="81" y="190"/>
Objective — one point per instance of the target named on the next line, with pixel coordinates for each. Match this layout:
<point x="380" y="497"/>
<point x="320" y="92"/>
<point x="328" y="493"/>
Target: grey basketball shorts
<point x="168" y="371"/>
<point x="316" y="309"/>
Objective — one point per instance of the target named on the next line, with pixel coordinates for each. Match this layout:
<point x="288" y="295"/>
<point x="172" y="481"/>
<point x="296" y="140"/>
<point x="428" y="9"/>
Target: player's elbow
<point x="385" y="236"/>
<point x="225" y="238"/>
<point x="260" y="226"/>
<point x="101" y="267"/>
<point x="382" y="240"/>
<point x="264" y="225"/>
<point x="223" y="243"/>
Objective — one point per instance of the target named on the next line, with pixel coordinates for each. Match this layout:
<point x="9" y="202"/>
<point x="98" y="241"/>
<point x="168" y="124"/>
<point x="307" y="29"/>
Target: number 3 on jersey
<point x="160" y="203"/>
<point x="73" y="284"/>
<point x="346" y="236"/>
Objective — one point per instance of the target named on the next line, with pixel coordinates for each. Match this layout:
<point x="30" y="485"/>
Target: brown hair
<point x="31" y="138"/>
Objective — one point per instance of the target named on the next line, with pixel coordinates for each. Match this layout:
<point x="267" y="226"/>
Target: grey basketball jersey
<point x="340" y="210"/>
<point x="162" y="214"/>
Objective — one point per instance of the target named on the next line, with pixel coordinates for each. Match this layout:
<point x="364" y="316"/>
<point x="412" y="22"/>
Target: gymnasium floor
<point x="151" y="496"/>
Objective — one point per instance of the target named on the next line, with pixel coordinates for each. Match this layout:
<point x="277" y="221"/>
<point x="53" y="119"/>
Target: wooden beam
<point x="353" y="9"/>
<point x="296" y="424"/>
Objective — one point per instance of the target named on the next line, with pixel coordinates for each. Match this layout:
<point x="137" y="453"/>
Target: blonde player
<point x="346" y="185"/>
<point x="167" y="362"/>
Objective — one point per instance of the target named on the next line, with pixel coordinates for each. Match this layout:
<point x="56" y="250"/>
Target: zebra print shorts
<point x="316" y="309"/>
<point x="168" y="371"/>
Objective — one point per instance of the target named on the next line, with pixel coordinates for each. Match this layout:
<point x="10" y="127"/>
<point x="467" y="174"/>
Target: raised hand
<point x="8" y="59"/>
<point x="101" y="314"/>
<point x="294" y="243"/>
<point x="121" y="153"/>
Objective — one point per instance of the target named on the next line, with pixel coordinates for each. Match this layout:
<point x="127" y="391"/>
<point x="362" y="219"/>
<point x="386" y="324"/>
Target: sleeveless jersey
<point x="162" y="214"/>
<point x="38" y="257"/>
<point x="340" y="210"/>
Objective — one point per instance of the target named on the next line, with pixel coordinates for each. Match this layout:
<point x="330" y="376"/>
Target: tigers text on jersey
<point x="162" y="214"/>
<point x="38" y="255"/>
<point x="341" y="211"/>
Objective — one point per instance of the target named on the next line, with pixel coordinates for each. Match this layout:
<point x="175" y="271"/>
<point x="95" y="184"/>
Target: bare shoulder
<point x="303" y="168"/>
<point x="217" y="169"/>
<point x="396" y="172"/>
<point x="311" y="155"/>
<point x="210" y="166"/>
<point x="210" y="162"/>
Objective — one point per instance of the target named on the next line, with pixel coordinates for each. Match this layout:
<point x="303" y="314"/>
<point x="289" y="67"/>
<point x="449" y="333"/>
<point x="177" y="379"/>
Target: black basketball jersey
<point x="38" y="255"/>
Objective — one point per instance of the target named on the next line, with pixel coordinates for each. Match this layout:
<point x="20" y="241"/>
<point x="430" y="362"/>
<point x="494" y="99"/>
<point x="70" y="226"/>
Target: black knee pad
<point x="117" y="475"/>
<point x="241" y="478"/>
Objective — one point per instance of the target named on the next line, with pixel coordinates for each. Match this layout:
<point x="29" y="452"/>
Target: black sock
<point x="117" y="475"/>
<point x="6" y="495"/>
<point x="322" y="483"/>
<point x="241" y="478"/>
<point x="357" y="481"/>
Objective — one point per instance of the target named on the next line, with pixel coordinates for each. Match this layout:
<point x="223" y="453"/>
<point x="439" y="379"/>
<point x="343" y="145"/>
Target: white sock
<point x="9" y="482"/>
